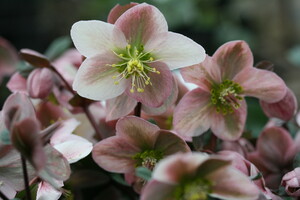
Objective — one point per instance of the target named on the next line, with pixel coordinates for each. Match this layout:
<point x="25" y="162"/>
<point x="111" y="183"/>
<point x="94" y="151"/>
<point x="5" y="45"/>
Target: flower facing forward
<point x="134" y="55"/>
<point x="218" y="103"/>
<point x="197" y="176"/>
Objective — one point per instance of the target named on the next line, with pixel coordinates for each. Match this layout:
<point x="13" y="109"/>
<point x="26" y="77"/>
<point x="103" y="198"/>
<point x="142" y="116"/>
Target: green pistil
<point x="134" y="63"/>
<point x="225" y="96"/>
<point x="148" y="158"/>
<point x="197" y="189"/>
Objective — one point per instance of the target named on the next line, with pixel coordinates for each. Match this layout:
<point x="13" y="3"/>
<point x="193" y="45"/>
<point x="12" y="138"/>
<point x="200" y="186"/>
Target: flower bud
<point x="283" y="109"/>
<point x="291" y="182"/>
<point x="40" y="83"/>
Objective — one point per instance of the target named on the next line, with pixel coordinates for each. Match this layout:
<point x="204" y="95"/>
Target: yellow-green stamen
<point x="226" y="96"/>
<point x="134" y="63"/>
<point x="148" y="158"/>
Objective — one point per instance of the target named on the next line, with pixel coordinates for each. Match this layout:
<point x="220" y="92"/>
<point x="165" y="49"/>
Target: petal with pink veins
<point x="232" y="58"/>
<point x="96" y="37"/>
<point x="230" y="126"/>
<point x="94" y="79"/>
<point x="137" y="131"/>
<point x="156" y="93"/>
<point x="140" y="22"/>
<point x="114" y="150"/>
<point x="192" y="115"/>
<point x="175" y="50"/>
<point x="261" y="84"/>
<point x="119" y="107"/>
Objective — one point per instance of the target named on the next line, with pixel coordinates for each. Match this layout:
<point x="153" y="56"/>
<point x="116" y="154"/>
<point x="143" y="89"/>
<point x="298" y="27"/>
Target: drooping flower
<point x="218" y="103"/>
<point x="137" y="143"/>
<point x="274" y="155"/>
<point x="291" y="182"/>
<point x="134" y="55"/>
<point x="194" y="176"/>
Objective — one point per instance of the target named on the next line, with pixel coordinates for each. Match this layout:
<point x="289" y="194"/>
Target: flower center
<point x="225" y="96"/>
<point x="134" y="63"/>
<point x="196" y="190"/>
<point x="148" y="158"/>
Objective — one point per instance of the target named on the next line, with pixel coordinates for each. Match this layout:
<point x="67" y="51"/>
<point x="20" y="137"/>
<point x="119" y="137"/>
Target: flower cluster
<point x="110" y="117"/>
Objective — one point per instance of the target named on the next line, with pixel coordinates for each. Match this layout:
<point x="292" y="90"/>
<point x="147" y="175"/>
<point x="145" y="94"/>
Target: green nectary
<point x="148" y="158"/>
<point x="226" y="96"/>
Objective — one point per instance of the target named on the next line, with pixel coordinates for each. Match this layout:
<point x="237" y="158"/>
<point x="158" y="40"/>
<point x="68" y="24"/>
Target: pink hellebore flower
<point x="274" y="155"/>
<point x="218" y="103"/>
<point x="137" y="143"/>
<point x="133" y="56"/>
<point x="194" y="176"/>
<point x="291" y="182"/>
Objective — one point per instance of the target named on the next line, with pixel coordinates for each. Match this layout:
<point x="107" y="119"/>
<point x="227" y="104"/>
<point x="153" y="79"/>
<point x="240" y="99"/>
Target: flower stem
<point x="85" y="106"/>
<point x="25" y="176"/>
<point x="137" y="110"/>
<point x="3" y="196"/>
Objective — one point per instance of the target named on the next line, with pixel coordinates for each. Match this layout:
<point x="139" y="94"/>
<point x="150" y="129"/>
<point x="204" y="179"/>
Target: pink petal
<point x="94" y="78"/>
<point x="154" y="95"/>
<point x="231" y="126"/>
<point x="175" y="50"/>
<point x="261" y="84"/>
<point x="64" y="131"/>
<point x="96" y="37"/>
<point x="137" y="132"/>
<point x="46" y="191"/>
<point x="284" y="109"/>
<point x="229" y="183"/>
<point x="192" y="114"/>
<point x="17" y="83"/>
<point x="273" y="145"/>
<point x="232" y="58"/>
<point x="172" y="169"/>
<point x="204" y="74"/>
<point x="115" y="154"/>
<point x="141" y="22"/>
<point x="157" y="190"/>
<point x="72" y="154"/>
<point x="169" y="143"/>
<point x="7" y="190"/>
<point x="117" y="11"/>
<point x="119" y="107"/>
<point x="167" y="103"/>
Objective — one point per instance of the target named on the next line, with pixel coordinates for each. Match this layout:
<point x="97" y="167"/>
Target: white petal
<point x="47" y="192"/>
<point x="95" y="37"/>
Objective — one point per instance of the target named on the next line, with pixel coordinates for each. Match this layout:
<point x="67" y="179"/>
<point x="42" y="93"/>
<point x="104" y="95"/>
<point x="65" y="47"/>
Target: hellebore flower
<point x="218" y="103"/>
<point x="284" y="109"/>
<point x="137" y="143"/>
<point x="275" y="151"/>
<point x="291" y="182"/>
<point x="134" y="55"/>
<point x="194" y="176"/>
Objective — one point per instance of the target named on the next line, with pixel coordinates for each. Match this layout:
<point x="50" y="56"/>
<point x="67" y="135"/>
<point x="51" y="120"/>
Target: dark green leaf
<point x="143" y="173"/>
<point x="57" y="47"/>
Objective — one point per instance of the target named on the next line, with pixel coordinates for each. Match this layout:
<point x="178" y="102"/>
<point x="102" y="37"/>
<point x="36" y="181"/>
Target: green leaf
<point x="143" y="173"/>
<point x="5" y="137"/>
<point x="57" y="47"/>
<point x="24" y="68"/>
<point x="119" y="179"/>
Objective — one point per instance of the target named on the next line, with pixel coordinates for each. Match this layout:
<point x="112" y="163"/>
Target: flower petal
<point x="137" y="131"/>
<point x="117" y="11"/>
<point x="261" y="84"/>
<point x="192" y="114"/>
<point x="169" y="143"/>
<point x="154" y="95"/>
<point x="94" y="78"/>
<point x="157" y="190"/>
<point x="229" y="183"/>
<point x="140" y="22"/>
<point x="115" y="154"/>
<point x="175" y="50"/>
<point x="17" y="83"/>
<point x="230" y="127"/>
<point x="204" y="74"/>
<point x="167" y="103"/>
<point x="46" y="191"/>
<point x="119" y="107"/>
<point x="96" y="37"/>
<point x="64" y="131"/>
<point x="233" y="57"/>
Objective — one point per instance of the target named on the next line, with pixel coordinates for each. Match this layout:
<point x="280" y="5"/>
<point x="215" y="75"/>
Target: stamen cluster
<point x="148" y="158"/>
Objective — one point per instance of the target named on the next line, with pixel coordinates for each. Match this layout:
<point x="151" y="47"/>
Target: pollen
<point x="134" y="64"/>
